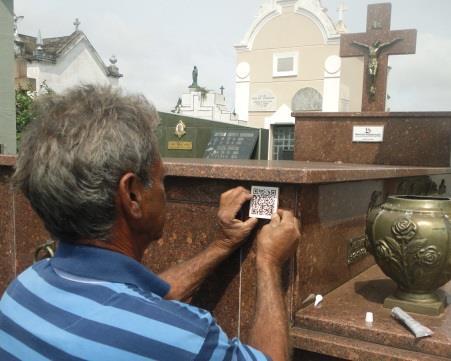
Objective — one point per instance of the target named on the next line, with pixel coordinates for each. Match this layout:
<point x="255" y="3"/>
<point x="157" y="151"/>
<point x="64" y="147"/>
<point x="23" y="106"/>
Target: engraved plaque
<point x="263" y="101"/>
<point x="179" y="145"/>
<point x="356" y="249"/>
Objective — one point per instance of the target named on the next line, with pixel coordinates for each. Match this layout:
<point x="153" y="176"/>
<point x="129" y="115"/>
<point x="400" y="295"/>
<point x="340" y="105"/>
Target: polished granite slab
<point x="329" y="198"/>
<point x="297" y="172"/>
<point x="338" y="326"/>
<point x="409" y="138"/>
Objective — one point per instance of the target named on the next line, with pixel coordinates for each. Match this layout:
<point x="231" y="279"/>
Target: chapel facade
<point x="288" y="62"/>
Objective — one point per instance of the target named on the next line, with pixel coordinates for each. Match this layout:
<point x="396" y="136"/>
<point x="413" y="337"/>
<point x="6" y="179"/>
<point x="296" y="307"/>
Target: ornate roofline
<point x="260" y="21"/>
<point x="72" y="41"/>
<point x="315" y="12"/>
<point x="309" y="8"/>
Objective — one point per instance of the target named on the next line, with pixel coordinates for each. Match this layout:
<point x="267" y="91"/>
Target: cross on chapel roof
<point x="76" y="23"/>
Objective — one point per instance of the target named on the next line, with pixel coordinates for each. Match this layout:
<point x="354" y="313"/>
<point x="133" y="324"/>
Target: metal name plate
<point x="356" y="249"/>
<point x="179" y="145"/>
<point x="368" y="134"/>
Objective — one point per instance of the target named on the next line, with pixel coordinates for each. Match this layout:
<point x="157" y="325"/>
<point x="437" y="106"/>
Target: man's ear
<point x="130" y="195"/>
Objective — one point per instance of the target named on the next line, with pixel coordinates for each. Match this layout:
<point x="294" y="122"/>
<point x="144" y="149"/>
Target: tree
<point x="24" y="106"/>
<point x="24" y="102"/>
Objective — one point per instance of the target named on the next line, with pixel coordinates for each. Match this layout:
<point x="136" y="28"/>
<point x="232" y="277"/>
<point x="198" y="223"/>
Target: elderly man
<point x="90" y="167"/>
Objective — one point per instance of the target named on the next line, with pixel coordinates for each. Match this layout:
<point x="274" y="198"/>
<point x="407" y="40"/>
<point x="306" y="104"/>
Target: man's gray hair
<point x="75" y="151"/>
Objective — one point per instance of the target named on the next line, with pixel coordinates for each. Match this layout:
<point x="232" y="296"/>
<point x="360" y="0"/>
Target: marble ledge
<point x="340" y="319"/>
<point x="368" y="115"/>
<point x="290" y="171"/>
<point x="294" y="172"/>
<point x="7" y="160"/>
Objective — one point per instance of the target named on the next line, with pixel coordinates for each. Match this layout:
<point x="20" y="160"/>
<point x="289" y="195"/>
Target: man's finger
<point x="225" y="194"/>
<point x="275" y="220"/>
<point x="251" y="222"/>
<point x="286" y="216"/>
<point x="239" y="190"/>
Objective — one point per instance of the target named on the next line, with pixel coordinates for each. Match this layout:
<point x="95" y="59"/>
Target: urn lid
<point x="433" y="203"/>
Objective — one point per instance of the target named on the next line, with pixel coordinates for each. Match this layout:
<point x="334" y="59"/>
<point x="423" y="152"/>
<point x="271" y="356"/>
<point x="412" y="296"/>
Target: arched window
<point x="307" y="100"/>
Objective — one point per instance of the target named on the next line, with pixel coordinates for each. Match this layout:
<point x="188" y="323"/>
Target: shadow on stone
<point x="375" y="290"/>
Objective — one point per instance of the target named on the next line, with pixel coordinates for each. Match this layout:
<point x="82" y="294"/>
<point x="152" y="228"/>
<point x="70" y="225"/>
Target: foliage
<point x="24" y="102"/>
<point x="24" y="105"/>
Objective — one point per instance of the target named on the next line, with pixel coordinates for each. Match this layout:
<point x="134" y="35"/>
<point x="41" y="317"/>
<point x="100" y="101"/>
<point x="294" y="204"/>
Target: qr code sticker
<point x="264" y="202"/>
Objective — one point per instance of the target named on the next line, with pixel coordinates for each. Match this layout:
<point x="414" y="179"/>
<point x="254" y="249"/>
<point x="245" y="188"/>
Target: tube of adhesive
<point x="414" y="326"/>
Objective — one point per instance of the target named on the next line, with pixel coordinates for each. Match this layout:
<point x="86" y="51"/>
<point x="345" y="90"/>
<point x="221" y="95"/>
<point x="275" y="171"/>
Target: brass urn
<point x="409" y="236"/>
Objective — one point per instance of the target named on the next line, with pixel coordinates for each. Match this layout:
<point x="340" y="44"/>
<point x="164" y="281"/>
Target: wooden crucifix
<point x="376" y="45"/>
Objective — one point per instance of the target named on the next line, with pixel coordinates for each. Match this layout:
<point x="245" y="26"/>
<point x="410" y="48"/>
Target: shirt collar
<point x="105" y="265"/>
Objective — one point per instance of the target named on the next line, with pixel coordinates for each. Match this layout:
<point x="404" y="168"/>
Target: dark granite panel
<point x="188" y="230"/>
<point x="7" y="236"/>
<point x="302" y="355"/>
<point x="30" y="232"/>
<point x="287" y="200"/>
<point x="331" y="214"/>
<point x="198" y="190"/>
<point x="342" y="314"/>
<point x="409" y="140"/>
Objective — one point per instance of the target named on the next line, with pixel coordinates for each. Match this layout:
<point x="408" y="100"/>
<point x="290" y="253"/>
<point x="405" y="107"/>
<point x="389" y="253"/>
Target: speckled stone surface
<point x="341" y="320"/>
<point x="7" y="160"/>
<point x="21" y="230"/>
<point x="303" y="172"/>
<point x="330" y="200"/>
<point x="7" y="246"/>
<point x="413" y="139"/>
<point x="330" y="215"/>
<point x="30" y="233"/>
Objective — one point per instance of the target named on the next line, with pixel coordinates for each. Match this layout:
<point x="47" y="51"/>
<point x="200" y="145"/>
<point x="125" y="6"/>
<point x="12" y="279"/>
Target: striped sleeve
<point x="218" y="347"/>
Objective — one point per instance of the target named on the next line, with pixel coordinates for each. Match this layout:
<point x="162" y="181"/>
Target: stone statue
<point x="373" y="53"/>
<point x="177" y="107"/>
<point x="195" y="74"/>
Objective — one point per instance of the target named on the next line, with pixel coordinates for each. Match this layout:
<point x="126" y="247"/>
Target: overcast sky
<point x="157" y="42"/>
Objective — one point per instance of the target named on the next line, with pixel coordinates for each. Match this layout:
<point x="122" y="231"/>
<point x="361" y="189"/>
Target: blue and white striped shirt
<point x="89" y="303"/>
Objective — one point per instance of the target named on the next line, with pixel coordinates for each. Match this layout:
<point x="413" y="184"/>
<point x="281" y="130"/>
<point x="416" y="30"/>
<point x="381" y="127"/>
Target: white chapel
<point x="60" y="62"/>
<point x="288" y="62"/>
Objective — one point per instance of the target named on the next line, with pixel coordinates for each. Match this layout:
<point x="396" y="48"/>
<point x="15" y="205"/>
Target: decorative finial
<point x="341" y="10"/>
<point x="39" y="42"/>
<point x="76" y="24"/>
<point x="113" y="59"/>
<point x="113" y="70"/>
<point x="222" y="89"/>
<point x="17" y="19"/>
<point x="340" y="25"/>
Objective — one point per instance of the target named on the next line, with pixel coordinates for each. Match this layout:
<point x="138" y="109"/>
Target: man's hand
<point x="234" y="230"/>
<point x="277" y="241"/>
<point x="186" y="277"/>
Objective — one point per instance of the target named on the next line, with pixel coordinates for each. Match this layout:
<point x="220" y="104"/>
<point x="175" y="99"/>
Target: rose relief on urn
<point x="410" y="240"/>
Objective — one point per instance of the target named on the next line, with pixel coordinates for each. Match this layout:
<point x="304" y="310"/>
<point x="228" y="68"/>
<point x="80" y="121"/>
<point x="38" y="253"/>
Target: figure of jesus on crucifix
<point x="373" y="53"/>
<point x="376" y="45"/>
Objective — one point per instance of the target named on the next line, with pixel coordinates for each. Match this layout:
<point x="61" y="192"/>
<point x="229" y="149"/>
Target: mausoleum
<point x="289" y="61"/>
<point x="60" y="62"/>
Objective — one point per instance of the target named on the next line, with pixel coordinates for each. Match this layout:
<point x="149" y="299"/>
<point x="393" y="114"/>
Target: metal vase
<point x="409" y="236"/>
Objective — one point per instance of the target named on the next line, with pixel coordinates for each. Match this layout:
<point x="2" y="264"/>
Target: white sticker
<point x="368" y="134"/>
<point x="264" y="202"/>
